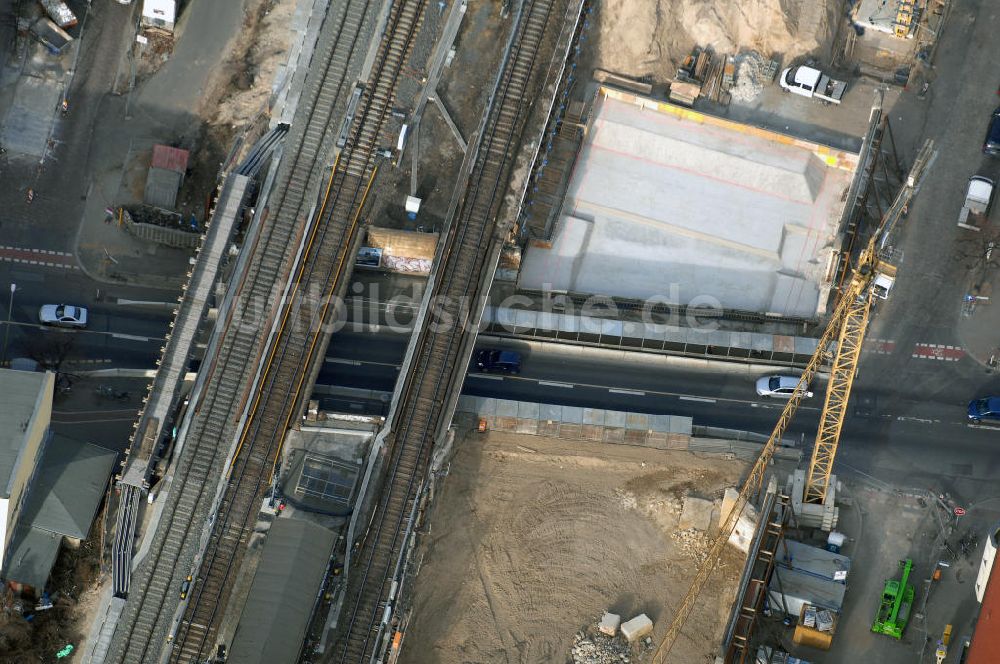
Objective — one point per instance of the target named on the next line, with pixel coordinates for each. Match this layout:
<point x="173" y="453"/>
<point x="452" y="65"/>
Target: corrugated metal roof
<point x="161" y="188"/>
<point x="274" y="620"/>
<point x="170" y="159"/>
<point x="986" y="639"/>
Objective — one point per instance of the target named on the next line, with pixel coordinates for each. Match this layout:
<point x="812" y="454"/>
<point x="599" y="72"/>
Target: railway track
<point x="327" y="261"/>
<point x="374" y="580"/>
<point x="148" y="615"/>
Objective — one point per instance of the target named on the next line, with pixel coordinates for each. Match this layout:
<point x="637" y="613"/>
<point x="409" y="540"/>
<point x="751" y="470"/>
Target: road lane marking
<point x="699" y="399"/>
<point x="879" y="346"/>
<point x="635" y="393"/>
<point x="485" y="376"/>
<point x="131" y="337"/>
<point x="41" y="257"/>
<point x="942" y="352"/>
<point x="549" y="383"/>
<point x="342" y="360"/>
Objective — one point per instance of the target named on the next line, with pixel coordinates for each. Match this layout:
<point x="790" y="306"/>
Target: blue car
<point x="987" y="408"/>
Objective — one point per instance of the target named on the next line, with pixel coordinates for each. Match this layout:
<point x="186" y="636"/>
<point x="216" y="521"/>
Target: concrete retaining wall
<point x="718" y="344"/>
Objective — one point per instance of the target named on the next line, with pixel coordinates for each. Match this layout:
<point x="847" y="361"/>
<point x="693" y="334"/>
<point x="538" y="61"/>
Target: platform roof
<point x="672" y="204"/>
<point x="276" y="615"/>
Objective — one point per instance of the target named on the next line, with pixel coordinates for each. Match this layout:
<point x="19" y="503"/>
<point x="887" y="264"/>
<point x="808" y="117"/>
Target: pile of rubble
<point x="614" y="642"/>
<point x="692" y="542"/>
<point x="600" y="649"/>
<point x="753" y="73"/>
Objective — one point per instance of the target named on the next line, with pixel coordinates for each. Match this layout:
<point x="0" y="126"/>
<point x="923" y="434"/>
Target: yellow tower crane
<point x="872" y="278"/>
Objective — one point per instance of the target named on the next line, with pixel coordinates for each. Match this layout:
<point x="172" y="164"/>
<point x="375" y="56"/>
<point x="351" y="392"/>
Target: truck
<point x="978" y="196"/>
<point x="812" y="83"/>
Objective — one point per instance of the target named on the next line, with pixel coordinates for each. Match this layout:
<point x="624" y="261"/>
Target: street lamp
<point x="6" y="331"/>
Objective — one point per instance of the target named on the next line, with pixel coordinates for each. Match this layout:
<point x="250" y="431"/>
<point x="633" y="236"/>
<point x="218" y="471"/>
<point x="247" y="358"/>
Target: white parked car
<point x="779" y="386"/>
<point x="63" y="315"/>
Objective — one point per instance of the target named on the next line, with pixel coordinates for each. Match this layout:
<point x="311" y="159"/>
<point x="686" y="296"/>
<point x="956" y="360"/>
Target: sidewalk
<point x="978" y="324"/>
<point x="162" y="109"/>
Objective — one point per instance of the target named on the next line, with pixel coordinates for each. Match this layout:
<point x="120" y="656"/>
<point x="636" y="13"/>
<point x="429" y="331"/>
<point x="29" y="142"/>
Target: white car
<point x="779" y="386"/>
<point x="63" y="315"/>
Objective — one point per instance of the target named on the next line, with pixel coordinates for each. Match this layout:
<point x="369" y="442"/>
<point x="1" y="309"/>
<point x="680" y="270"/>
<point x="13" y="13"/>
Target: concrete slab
<point x="638" y="627"/>
<point x="683" y="207"/>
<point x="696" y="513"/>
<point x="609" y="624"/>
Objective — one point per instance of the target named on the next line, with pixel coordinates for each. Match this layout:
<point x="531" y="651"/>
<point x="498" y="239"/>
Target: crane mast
<point x="871" y="279"/>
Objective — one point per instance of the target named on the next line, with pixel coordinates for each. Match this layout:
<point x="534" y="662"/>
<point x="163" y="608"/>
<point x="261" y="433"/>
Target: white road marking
<point x="341" y="360"/>
<point x="131" y="337"/>
<point x="549" y="383"/>
<point x="636" y="393"/>
<point x="700" y="399"/>
<point x="485" y="376"/>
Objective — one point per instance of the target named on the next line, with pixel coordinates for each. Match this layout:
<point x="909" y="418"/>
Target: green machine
<point x="897" y="600"/>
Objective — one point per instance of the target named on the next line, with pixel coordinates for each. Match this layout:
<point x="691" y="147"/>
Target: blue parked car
<point x="987" y="408"/>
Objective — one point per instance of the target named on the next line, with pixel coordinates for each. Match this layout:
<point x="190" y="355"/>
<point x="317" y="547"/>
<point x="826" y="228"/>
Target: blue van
<point x="491" y="360"/>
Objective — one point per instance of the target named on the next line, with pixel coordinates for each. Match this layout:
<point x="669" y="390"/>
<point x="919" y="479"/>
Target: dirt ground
<point x="652" y="38"/>
<point x="531" y="539"/>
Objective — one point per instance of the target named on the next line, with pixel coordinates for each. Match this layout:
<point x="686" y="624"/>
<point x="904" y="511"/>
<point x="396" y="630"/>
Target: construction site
<point x="675" y="175"/>
<point x="541" y="331"/>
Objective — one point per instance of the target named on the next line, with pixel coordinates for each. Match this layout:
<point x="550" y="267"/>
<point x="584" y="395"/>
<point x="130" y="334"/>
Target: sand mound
<point x="652" y="38"/>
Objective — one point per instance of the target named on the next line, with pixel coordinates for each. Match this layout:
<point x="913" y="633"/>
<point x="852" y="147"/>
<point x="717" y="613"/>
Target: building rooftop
<point x="23" y="395"/>
<point x="69" y="485"/>
<point x="32" y="554"/>
<point x="986" y="639"/>
<point x="70" y="482"/>
<point x="276" y="615"/>
<point x="169" y="159"/>
<point x="666" y="202"/>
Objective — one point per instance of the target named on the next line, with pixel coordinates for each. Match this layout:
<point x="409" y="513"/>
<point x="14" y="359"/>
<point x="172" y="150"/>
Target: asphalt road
<point x="896" y="429"/>
<point x="117" y="335"/>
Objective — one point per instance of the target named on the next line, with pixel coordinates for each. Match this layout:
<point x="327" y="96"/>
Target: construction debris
<point x="692" y="542"/>
<point x="599" y="649"/>
<point x="752" y="74"/>
<point x="745" y="525"/>
<point x="609" y="624"/>
<point x="638" y="627"/>
<point x="696" y="514"/>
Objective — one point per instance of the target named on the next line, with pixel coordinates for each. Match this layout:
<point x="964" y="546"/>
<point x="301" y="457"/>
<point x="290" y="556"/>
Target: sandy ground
<point x="652" y="38"/>
<point x="531" y="539"/>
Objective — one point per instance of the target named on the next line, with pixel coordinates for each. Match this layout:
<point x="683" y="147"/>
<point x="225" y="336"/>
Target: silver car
<point x="63" y="315"/>
<point x="779" y="386"/>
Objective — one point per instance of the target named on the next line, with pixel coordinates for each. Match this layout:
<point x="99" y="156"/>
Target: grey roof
<point x="813" y="560"/>
<point x="68" y="487"/>
<point x="31" y="555"/>
<point x="274" y="621"/>
<point x="161" y="188"/>
<point x="23" y="393"/>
